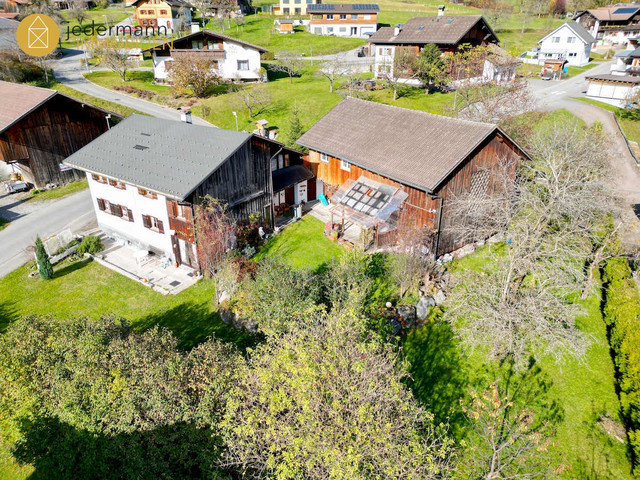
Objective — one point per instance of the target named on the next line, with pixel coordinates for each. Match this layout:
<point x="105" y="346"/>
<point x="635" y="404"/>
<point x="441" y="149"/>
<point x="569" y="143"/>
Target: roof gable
<point x="19" y="100"/>
<point x="166" y="156"/>
<point x="577" y="29"/>
<point x="445" y="30"/>
<point x="202" y="34"/>
<point x="415" y="148"/>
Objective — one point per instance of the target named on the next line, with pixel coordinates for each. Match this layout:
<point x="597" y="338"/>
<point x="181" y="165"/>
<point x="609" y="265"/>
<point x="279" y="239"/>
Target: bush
<point x="622" y="315"/>
<point x="90" y="244"/>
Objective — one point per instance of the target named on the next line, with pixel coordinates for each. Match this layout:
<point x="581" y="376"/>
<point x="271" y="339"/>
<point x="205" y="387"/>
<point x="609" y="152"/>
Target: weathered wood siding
<point x="44" y="138"/>
<point x="420" y="208"/>
<point x="243" y="181"/>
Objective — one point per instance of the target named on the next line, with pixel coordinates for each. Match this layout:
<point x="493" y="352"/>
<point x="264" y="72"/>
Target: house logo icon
<point x="37" y="35"/>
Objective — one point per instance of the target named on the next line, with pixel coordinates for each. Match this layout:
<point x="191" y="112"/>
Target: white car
<point x="16" y="186"/>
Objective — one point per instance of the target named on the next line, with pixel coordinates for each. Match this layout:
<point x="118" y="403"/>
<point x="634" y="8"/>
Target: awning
<point x="289" y="176"/>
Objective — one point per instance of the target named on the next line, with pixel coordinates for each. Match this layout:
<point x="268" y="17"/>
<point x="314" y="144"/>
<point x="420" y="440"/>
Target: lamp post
<point x="235" y="114"/>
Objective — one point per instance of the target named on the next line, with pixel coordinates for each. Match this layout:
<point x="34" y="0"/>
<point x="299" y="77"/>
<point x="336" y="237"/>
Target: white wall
<point x="576" y="53"/>
<point x="343" y="30"/>
<point x="228" y="67"/>
<point x="133" y="232"/>
<point x="610" y="93"/>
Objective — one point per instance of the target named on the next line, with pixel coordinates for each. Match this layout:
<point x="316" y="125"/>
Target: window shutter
<point x="154" y="195"/>
<point x="146" y="221"/>
<point x="160" y="226"/>
<point x="101" y="204"/>
<point x="130" y="214"/>
<point x="118" y="210"/>
<point x="142" y="192"/>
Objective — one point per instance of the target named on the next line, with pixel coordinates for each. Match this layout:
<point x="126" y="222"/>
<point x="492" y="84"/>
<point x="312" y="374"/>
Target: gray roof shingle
<point x="415" y="148"/>
<point x="445" y="30"/>
<point x="165" y="156"/>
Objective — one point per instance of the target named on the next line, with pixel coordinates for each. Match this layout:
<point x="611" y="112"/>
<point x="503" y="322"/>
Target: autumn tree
<point x="215" y="233"/>
<point x="289" y="63"/>
<point x="196" y="71"/>
<point x="318" y="402"/>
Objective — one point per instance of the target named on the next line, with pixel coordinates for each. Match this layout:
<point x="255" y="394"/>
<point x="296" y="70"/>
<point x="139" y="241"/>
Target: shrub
<point x="622" y="315"/>
<point x="90" y="244"/>
<point x="44" y="265"/>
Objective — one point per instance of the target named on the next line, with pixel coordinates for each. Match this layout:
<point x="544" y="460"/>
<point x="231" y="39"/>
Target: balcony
<point x="216" y="54"/>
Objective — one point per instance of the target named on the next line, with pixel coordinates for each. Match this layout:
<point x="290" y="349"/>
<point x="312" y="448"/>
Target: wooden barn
<point x="384" y="166"/>
<point x="40" y="127"/>
<point x="147" y="174"/>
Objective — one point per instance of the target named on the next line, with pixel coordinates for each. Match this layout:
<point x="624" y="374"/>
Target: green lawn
<point x="302" y="245"/>
<point x="98" y="102"/>
<point x="576" y="394"/>
<point x="137" y="79"/>
<point x="56" y="193"/>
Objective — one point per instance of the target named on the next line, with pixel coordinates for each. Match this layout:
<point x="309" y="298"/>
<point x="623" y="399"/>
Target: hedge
<point x="622" y="315"/>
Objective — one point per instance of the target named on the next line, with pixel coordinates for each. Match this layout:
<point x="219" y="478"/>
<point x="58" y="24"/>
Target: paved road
<point x="68" y="71"/>
<point x="553" y="95"/>
<point x="71" y="212"/>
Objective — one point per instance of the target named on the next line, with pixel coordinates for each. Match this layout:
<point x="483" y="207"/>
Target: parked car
<point x="16" y="186"/>
<point x="547" y="74"/>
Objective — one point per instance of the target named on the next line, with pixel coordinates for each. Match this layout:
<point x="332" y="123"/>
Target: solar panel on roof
<point x="624" y="11"/>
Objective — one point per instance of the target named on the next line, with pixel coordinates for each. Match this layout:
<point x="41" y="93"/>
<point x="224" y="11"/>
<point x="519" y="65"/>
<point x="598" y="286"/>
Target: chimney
<point x="397" y="29"/>
<point x="186" y="116"/>
<point x="441" y="10"/>
<point x="195" y="27"/>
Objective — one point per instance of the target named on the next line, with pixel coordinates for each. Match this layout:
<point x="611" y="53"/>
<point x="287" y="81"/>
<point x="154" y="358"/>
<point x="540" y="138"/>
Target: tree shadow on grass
<point x="58" y="450"/>
<point x="193" y="323"/>
<point x="8" y="314"/>
<point x="71" y="267"/>
<point x="439" y="377"/>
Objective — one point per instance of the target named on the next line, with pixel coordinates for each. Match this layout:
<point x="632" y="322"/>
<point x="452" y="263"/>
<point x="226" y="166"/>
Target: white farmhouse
<point x="233" y="59"/>
<point x="570" y="42"/>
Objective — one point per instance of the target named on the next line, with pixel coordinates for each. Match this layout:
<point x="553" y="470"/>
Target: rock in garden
<point x="224" y="297"/>
<point x="407" y="314"/>
<point x="423" y="306"/>
<point x="439" y="297"/>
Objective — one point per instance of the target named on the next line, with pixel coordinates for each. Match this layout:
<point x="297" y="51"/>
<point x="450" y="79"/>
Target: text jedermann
<point x="92" y="30"/>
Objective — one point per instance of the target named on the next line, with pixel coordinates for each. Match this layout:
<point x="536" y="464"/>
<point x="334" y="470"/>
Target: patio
<point x="151" y="270"/>
<point x="352" y="232"/>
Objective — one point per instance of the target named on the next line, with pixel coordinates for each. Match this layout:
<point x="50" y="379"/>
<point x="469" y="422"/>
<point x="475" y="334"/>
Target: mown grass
<point x="57" y="193"/>
<point x="98" y="102"/>
<point x="573" y="395"/>
<point x="302" y="245"/>
<point x="137" y="79"/>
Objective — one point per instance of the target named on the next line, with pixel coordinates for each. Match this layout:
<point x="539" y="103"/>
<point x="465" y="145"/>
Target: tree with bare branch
<point x="252" y="97"/>
<point x="334" y="69"/>
<point x="114" y="57"/>
<point x="78" y="11"/>
<point x="520" y="303"/>
<point x="215" y="234"/>
<point x="289" y="63"/>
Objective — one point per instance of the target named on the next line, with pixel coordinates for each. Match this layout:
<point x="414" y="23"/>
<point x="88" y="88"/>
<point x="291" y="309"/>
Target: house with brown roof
<point x="448" y="33"/>
<point x="232" y="59"/>
<point x="358" y="20"/>
<point x="162" y="15"/>
<point x="614" y="24"/>
<point x="382" y="166"/>
<point x="39" y="128"/>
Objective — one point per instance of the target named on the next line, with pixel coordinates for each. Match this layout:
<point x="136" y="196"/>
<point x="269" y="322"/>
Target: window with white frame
<point x="324" y="158"/>
<point x="385" y="51"/>
<point x="571" y="40"/>
<point x="343" y="16"/>
<point x="354" y="16"/>
<point x="329" y="29"/>
<point x="343" y="29"/>
<point x="330" y="17"/>
<point x="344" y="165"/>
<point x="243" y="64"/>
<point x="555" y="39"/>
<point x="367" y="17"/>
